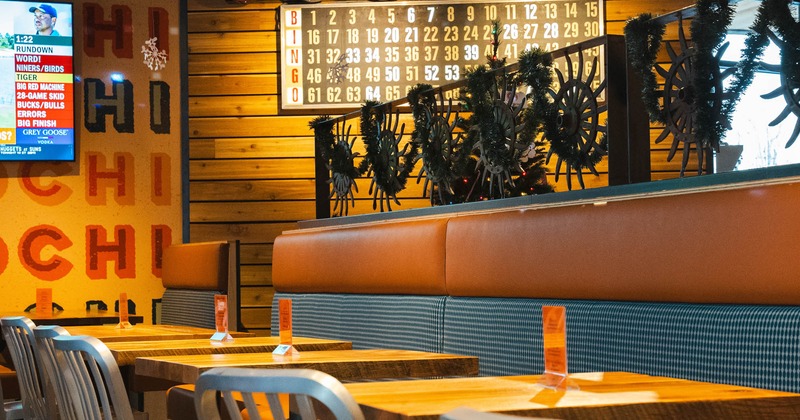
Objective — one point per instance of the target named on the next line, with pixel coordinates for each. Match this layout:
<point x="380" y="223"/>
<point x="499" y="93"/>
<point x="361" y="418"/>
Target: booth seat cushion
<point x="200" y="265"/>
<point x="368" y="321"/>
<point x="727" y="246"/>
<point x="184" y="307"/>
<point x="385" y="258"/>
<point x="750" y="345"/>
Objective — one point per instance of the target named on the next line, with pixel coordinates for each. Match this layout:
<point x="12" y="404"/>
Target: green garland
<point x="437" y="167"/>
<point x="339" y="159"/>
<point x="708" y="31"/>
<point x="388" y="175"/>
<point x="535" y="70"/>
<point x="336" y="154"/>
<point x="644" y="35"/>
<point x="771" y="14"/>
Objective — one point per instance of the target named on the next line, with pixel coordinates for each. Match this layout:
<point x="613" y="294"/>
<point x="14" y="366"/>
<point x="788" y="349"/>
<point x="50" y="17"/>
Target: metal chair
<point x="302" y="384"/>
<point x="58" y="385"/>
<point x="99" y="392"/>
<point x="18" y="333"/>
<point x="12" y="410"/>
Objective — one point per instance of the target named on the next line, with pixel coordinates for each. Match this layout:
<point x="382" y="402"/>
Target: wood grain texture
<point x="260" y="147"/>
<point x="617" y="395"/>
<point x="233" y="106"/>
<point x="249" y="211"/>
<point x="144" y="332"/>
<point x="126" y="352"/>
<point x="246" y="190"/>
<point x="342" y="364"/>
<point x="252" y="169"/>
<point x="238" y="84"/>
<point x="227" y="42"/>
<point x="249" y="20"/>
<point x="244" y="232"/>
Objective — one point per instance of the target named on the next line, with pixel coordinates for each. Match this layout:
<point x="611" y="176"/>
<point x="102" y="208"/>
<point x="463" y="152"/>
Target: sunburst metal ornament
<point x="438" y="149"/>
<point x="498" y="147"/>
<point x="343" y="171"/>
<point x="679" y="100"/>
<point x="789" y="90"/>
<point x="387" y="165"/>
<point x="575" y="141"/>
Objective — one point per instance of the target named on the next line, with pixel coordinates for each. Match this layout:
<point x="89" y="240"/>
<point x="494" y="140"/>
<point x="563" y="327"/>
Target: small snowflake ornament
<point x="153" y="58"/>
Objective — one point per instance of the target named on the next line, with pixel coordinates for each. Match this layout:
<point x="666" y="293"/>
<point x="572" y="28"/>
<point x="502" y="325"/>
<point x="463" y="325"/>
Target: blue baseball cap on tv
<point x="45" y="8"/>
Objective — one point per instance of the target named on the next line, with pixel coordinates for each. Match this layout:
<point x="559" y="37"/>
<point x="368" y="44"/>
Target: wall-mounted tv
<point x="37" y="115"/>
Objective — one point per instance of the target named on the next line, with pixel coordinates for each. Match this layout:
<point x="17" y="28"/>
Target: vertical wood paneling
<point x="251" y="170"/>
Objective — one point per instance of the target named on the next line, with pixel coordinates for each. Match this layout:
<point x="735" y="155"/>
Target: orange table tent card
<point x="554" y="329"/>
<point x="221" y="319"/>
<point x="124" y="321"/>
<point x="285" y="324"/>
<point x="44" y="302"/>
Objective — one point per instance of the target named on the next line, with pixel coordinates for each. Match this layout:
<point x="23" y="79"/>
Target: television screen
<point x="37" y="120"/>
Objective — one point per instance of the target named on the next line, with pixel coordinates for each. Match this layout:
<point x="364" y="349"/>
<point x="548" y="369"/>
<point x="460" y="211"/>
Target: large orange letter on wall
<point x="96" y="30"/>
<point x="160" y="170"/>
<point x="100" y="178"/>
<point x="3" y="256"/>
<point x="3" y="180"/>
<point x="31" y="178"/>
<point x="122" y="251"/>
<point x="33" y="243"/>
<point x="161" y="238"/>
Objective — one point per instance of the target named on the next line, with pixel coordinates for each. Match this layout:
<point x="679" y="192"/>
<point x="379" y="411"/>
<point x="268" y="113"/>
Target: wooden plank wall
<point x="251" y="167"/>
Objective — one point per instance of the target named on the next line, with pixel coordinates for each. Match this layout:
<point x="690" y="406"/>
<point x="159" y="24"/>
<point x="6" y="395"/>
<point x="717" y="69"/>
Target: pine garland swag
<point x="643" y="37"/>
<point x="390" y="166"/>
<point x="339" y="159"/>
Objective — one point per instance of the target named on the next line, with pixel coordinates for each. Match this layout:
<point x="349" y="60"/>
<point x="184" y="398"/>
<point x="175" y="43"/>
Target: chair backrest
<point x="58" y="385"/>
<point x="302" y="384"/>
<point x="18" y="333"/>
<point x="193" y="273"/>
<point x="99" y="392"/>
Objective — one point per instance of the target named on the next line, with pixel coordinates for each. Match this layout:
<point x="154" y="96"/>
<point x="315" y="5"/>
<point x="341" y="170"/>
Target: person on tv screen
<point x="44" y="19"/>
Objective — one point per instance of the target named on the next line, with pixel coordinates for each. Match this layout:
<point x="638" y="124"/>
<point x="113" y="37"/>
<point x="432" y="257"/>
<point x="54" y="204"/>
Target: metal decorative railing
<point x="484" y="136"/>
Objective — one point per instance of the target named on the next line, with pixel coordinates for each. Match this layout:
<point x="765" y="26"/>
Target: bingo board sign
<point x="343" y="54"/>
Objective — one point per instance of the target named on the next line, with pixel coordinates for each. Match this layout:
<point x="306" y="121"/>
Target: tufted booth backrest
<point x="384" y="258"/>
<point x="193" y="273"/>
<point x="728" y="246"/>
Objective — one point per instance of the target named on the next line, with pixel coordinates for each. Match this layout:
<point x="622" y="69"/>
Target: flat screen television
<point x="37" y="112"/>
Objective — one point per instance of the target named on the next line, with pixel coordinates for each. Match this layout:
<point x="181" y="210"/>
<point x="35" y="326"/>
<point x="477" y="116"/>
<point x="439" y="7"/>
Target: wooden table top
<point x="146" y="332"/>
<point x="600" y="395"/>
<point x="73" y="317"/>
<point x="342" y="364"/>
<point x="126" y="352"/>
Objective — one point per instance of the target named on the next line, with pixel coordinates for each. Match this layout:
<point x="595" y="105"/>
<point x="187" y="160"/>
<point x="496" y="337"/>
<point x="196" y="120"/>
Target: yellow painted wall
<point x="93" y="228"/>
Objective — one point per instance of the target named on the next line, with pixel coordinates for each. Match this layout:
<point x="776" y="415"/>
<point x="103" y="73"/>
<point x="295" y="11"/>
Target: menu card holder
<point x="221" y="319"/>
<point x="44" y="302"/>
<point x="554" y="329"/>
<point x="285" y="323"/>
<point x="123" y="312"/>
